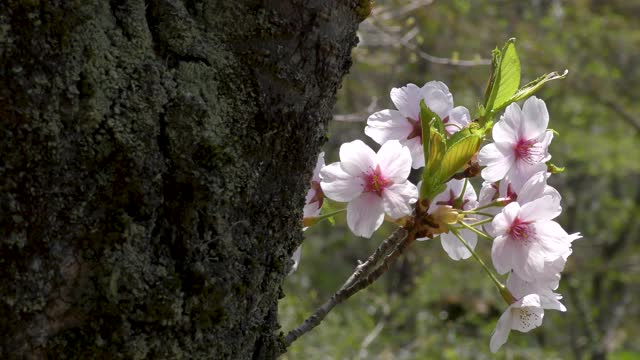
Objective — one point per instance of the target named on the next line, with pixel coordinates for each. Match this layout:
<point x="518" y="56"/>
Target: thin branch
<point x="388" y="12"/>
<point x="362" y="354"/>
<point x="359" y="116"/>
<point x="617" y="108"/>
<point x="383" y="248"/>
<point x="404" y="41"/>
<point x="357" y="281"/>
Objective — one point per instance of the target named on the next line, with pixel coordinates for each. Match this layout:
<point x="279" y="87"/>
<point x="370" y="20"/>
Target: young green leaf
<point x="430" y="174"/>
<point x="434" y="147"/>
<point x="459" y="155"/>
<point x="530" y="88"/>
<point x="496" y="54"/>
<point x="507" y="78"/>
<point x="430" y="189"/>
<point x="554" y="169"/>
<point x="425" y="118"/>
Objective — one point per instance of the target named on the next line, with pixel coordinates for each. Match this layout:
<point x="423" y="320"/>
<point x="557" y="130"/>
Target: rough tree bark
<point x="154" y="158"/>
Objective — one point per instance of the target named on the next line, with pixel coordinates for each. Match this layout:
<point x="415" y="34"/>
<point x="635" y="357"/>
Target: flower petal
<point x="551" y="301"/>
<point x="313" y="209"/>
<point x="545" y="141"/>
<point x="319" y="165"/>
<point x="459" y="118"/>
<point x="397" y="199"/>
<point x="536" y="118"/>
<point x="487" y="193"/>
<point x="470" y="198"/>
<point x="437" y="97"/>
<point x="507" y="129"/>
<point x="544" y="208"/>
<point x="365" y="214"/>
<point x="338" y="185"/>
<point x="503" y="253"/>
<point x="551" y="238"/>
<point x="529" y="316"/>
<point x="407" y="100"/>
<point x="522" y="171"/>
<point x="387" y="125"/>
<point x="497" y="161"/>
<point x="533" y="188"/>
<point x="445" y="197"/>
<point x="395" y="161"/>
<point x="529" y="261"/>
<point x="356" y="158"/>
<point x="501" y="333"/>
<point x="455" y="248"/>
<point x="502" y="222"/>
<point x="417" y="155"/>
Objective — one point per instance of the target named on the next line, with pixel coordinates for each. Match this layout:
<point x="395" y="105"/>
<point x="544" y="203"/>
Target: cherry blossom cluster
<point x="515" y="208"/>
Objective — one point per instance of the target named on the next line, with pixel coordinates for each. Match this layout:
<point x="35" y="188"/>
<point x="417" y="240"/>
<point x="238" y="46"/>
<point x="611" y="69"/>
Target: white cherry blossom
<point x="450" y="243"/>
<point x="521" y="142"/>
<point x="526" y="238"/>
<point x="404" y="124"/>
<point x="373" y="184"/>
<point x="527" y="312"/>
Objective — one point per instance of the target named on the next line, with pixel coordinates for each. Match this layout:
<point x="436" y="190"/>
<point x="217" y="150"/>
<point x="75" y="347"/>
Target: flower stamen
<point x="520" y="230"/>
<point x="375" y="181"/>
<point x="529" y="151"/>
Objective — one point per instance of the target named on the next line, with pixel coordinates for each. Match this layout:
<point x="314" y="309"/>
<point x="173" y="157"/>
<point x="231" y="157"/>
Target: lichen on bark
<point x="153" y="165"/>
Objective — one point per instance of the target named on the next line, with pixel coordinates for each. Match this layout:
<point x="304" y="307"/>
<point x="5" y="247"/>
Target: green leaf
<point x="425" y="119"/>
<point x="458" y="136"/>
<point x="496" y="54"/>
<point x="429" y="189"/>
<point x="554" y="169"/>
<point x="430" y="178"/>
<point x="507" y="78"/>
<point x="437" y="148"/>
<point x="437" y="125"/>
<point x="434" y="146"/>
<point x="327" y="208"/>
<point x="536" y="84"/>
<point x="458" y="155"/>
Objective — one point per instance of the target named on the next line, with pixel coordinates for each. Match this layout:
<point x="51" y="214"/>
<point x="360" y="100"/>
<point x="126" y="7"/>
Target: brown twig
<point x="383" y="248"/>
<point x="360" y="279"/>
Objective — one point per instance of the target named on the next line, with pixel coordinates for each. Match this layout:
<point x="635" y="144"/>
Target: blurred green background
<point x="430" y="307"/>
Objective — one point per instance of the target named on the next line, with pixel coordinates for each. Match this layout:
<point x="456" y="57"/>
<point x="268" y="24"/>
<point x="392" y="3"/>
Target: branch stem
<point x="495" y="280"/>
<point x="362" y="277"/>
<point x="478" y="232"/>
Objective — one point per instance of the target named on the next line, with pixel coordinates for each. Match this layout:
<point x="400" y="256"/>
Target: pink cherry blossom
<point x="404" y="124"/>
<point x="526" y="238"/>
<point x="505" y="192"/>
<point x="315" y="197"/>
<point x="449" y="197"/>
<point x="521" y="142"/>
<point x="527" y="312"/>
<point x="373" y="184"/>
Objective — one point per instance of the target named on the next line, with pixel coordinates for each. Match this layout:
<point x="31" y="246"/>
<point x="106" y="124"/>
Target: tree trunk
<point x="154" y="158"/>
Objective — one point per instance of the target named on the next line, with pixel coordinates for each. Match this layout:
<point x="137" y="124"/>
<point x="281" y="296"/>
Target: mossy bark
<point x="154" y="158"/>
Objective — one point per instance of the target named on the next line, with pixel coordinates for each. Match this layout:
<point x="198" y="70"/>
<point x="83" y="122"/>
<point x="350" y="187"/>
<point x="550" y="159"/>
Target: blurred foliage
<point x="430" y="307"/>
